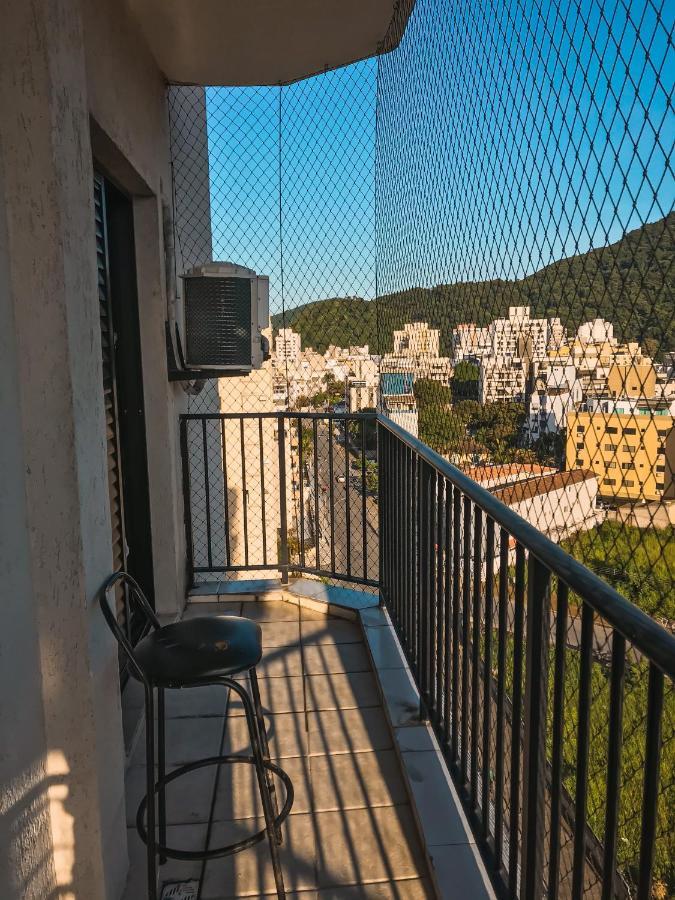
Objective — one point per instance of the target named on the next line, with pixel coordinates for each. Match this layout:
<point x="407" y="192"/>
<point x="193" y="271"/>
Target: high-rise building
<point x="287" y="344"/>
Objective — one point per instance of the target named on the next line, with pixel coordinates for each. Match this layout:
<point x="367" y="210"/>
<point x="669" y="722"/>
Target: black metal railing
<point x="532" y="671"/>
<point x="291" y="492"/>
<point x="550" y="694"/>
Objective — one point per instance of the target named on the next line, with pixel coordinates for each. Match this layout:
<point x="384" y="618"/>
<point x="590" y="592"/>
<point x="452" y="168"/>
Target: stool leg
<point x="150" y="789"/>
<point x="161" y="768"/>
<point x="264" y="793"/>
<point x="264" y="746"/>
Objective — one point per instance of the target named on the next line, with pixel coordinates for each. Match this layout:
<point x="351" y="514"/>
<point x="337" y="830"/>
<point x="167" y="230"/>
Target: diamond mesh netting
<point x="474" y="234"/>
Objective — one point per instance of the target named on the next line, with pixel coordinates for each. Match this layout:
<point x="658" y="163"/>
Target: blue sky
<point x="510" y="134"/>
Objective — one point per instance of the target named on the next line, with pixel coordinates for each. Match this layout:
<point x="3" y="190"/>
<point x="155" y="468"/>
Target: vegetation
<point x="465" y="381"/>
<point x="638" y="562"/>
<point x="355" y="427"/>
<point x="451" y="428"/>
<point x="631" y="283"/>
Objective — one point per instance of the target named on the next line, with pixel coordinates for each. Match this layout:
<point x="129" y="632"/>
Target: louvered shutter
<point x="109" y="394"/>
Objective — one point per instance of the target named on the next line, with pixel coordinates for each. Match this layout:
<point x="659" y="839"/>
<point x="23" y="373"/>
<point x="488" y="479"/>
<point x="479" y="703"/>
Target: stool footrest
<point x="228" y="850"/>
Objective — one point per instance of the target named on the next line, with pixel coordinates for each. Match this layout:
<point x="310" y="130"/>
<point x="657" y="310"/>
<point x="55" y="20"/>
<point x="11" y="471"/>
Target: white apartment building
<point x="469" y="341"/>
<point x="557" y="393"/>
<point x="287" y="344"/>
<point x="417" y="339"/>
<point x="558" y="504"/>
<point x="518" y="335"/>
<point x="597" y="331"/>
<point x="402" y="409"/>
<point x="362" y="383"/>
<point x="501" y="378"/>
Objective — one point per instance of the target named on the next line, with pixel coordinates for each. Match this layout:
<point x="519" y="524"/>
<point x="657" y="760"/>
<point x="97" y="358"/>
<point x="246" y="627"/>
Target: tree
<point x="371" y="476"/>
<point x="465" y="381"/>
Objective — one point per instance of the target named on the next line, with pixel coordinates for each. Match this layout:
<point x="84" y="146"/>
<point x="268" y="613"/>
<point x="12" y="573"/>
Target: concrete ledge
<point x="346" y="603"/>
<point x="454" y="861"/>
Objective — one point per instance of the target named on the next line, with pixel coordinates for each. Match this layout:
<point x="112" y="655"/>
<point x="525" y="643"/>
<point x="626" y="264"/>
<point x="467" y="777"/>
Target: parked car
<point x="340" y="479"/>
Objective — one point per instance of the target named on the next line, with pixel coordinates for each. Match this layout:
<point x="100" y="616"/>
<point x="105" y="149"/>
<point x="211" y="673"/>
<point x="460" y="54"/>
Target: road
<point x="342" y="541"/>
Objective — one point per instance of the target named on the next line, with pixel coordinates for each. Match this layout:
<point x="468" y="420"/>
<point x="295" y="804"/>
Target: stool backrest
<point x="134" y="597"/>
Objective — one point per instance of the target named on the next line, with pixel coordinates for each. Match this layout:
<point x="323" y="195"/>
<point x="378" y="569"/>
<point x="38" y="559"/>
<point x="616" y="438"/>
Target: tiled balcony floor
<point x="351" y="833"/>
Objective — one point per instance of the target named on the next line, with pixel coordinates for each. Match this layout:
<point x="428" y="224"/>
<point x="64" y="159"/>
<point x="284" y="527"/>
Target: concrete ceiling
<point x="243" y="42"/>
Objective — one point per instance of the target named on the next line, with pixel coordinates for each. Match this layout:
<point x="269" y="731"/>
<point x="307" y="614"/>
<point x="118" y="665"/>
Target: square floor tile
<point x="271" y="611"/>
<point x="198" y="701"/>
<point x="186" y="740"/>
<point x="280" y="634"/>
<point x="355" y="780"/>
<point x="331" y="631"/>
<point x="329" y="658"/>
<point x="348" y="731"/>
<point x="249" y="873"/>
<point x="221" y="608"/>
<point x="238" y="795"/>
<point x="184" y="837"/>
<point x="341" y="690"/>
<point x="277" y="695"/>
<point x="285" y="732"/>
<point x="188" y="798"/>
<point x="365" y="845"/>
<point x="279" y="662"/>
<point x="408" y="889"/>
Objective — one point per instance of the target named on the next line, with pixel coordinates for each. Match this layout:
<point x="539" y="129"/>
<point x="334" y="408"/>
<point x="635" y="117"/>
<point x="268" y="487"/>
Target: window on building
<point x="611" y="465"/>
<point x="628" y="482"/>
<point x="610" y="447"/>
<point x="659" y="485"/>
<point x="660" y="468"/>
<point x="629" y="431"/>
<point x="579" y="461"/>
<point x="609" y="481"/>
<point x="611" y="430"/>
<point x="581" y="428"/>
<point x="580" y="446"/>
<point x="626" y="465"/>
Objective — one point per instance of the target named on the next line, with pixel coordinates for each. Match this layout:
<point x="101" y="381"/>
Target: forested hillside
<point x="631" y="283"/>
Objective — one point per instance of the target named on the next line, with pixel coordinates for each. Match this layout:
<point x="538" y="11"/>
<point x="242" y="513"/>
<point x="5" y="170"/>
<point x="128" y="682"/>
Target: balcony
<point x="495" y="631"/>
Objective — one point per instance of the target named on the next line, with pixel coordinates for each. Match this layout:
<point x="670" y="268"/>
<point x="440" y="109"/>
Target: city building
<point x="417" y="339"/>
<point x="491" y="476"/>
<point x="557" y="392"/>
<point x="559" y="503"/>
<point x="287" y="344"/>
<point x="362" y="383"/>
<point x="520" y="336"/>
<point x="501" y="378"/>
<point x="631" y="450"/>
<point x="470" y="342"/>
<point x="402" y="409"/>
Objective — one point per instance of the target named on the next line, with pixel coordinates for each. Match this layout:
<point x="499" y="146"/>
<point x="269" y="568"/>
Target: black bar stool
<point x="195" y="653"/>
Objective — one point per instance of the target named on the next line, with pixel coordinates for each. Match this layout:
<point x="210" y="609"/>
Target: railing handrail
<point x="647" y="636"/>
<point x="217" y="417"/>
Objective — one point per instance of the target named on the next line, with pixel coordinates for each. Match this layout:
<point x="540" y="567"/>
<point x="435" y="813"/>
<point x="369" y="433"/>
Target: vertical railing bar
<point x="447" y="600"/>
<point x="207" y="496"/>
<point x="418" y="565"/>
<point x="226" y="495"/>
<point x="301" y="476"/>
<point x="244" y="490"/>
<point x="650" y="793"/>
<point x="348" y="511"/>
<point x="557" y="737"/>
<point x="516" y="716"/>
<point x="315" y="439"/>
<point x="431" y="592"/>
<point x="187" y="502"/>
<point x="456" y="561"/>
<point x="614" y="748"/>
<point x="501" y="693"/>
<point x="466" y="601"/>
<point x="475" y="650"/>
<point x="262" y="491"/>
<point x="487" y="671"/>
<point x="440" y="600"/>
<point x="423" y="597"/>
<point x="534" y="721"/>
<point x="410" y="553"/>
<point x="583" y="740"/>
<point x="331" y="493"/>
<point x="283" y="512"/>
<point x="364" y="505"/>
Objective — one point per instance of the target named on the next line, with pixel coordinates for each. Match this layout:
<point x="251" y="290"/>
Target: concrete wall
<point x="75" y="80"/>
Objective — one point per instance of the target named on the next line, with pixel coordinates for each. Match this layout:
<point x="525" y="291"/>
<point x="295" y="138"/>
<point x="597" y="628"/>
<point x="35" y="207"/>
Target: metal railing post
<point x="283" y="516"/>
<point x="534" y="715"/>
<point x="187" y="504"/>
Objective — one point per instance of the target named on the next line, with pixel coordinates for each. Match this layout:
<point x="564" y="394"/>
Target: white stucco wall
<point x="74" y="77"/>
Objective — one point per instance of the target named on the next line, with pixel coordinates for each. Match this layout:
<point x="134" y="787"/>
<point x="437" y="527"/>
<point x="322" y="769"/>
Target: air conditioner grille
<point x="218" y="321"/>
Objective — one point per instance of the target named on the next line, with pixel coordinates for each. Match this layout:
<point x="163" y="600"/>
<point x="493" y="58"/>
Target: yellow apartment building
<point x="633" y="454"/>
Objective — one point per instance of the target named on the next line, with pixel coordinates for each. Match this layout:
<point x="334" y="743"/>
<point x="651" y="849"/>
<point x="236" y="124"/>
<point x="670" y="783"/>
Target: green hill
<point x="631" y="283"/>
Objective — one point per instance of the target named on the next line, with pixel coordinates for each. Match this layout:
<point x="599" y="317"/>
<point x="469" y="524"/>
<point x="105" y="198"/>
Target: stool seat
<point x="189" y="651"/>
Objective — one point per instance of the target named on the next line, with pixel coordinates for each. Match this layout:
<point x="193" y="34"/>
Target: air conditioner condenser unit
<point x="226" y="308"/>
